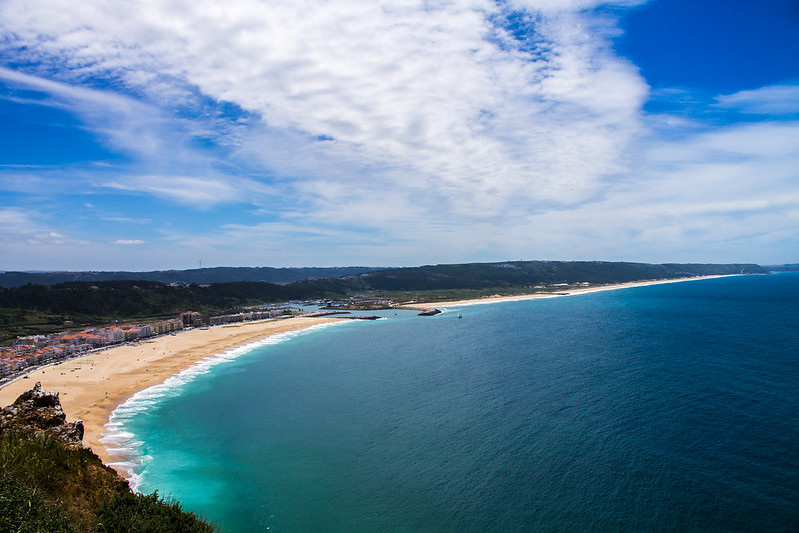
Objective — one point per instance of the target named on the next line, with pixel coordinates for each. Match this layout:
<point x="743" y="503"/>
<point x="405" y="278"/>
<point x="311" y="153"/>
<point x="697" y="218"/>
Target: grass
<point x="46" y="485"/>
<point x="23" y="510"/>
<point x="140" y="513"/>
<point x="442" y="295"/>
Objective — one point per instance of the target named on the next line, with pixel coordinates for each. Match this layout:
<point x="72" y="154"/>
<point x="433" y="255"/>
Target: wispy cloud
<point x="729" y="193"/>
<point x="381" y="131"/>
<point x="128" y="242"/>
<point x="119" y="120"/>
<point x="19" y="227"/>
<point x="126" y="220"/>
<point x="773" y="100"/>
<point x="439" y="97"/>
<point x="719" y="195"/>
<point x="199" y="192"/>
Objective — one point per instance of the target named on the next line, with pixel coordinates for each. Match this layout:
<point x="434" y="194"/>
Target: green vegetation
<point x="140" y="513"/>
<point x="33" y="309"/>
<point x="23" y="510"/>
<point x="443" y="295"/>
<point x="41" y="309"/>
<point x="518" y="274"/>
<point x="46" y="485"/>
<point x="192" y="276"/>
<point x="20" y="322"/>
<point x="794" y="267"/>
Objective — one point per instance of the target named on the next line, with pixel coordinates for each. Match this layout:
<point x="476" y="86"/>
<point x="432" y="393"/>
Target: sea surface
<point x="663" y="408"/>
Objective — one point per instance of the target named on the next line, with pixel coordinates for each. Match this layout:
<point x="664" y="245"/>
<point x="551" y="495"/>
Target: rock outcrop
<point x="53" y="483"/>
<point x="40" y="413"/>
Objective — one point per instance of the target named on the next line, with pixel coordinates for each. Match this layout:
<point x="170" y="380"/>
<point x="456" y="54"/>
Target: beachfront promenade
<point x="28" y="353"/>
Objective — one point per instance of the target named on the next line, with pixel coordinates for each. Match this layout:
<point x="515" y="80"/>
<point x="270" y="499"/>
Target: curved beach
<point x="93" y="385"/>
<point x="567" y="291"/>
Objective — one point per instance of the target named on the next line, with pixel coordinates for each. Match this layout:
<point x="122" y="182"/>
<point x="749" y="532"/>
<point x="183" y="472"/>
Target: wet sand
<point x="93" y="385"/>
<point x="566" y="291"/>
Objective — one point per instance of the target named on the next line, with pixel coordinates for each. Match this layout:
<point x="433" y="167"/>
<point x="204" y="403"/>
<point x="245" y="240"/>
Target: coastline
<point x="567" y="292"/>
<point x="91" y="386"/>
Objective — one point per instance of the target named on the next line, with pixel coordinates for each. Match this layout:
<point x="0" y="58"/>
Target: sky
<point x="141" y="135"/>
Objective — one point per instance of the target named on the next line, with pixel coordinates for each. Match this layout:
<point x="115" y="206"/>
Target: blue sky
<point x="152" y="135"/>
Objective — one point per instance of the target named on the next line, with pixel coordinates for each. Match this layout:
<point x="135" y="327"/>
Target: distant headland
<point x="537" y="271"/>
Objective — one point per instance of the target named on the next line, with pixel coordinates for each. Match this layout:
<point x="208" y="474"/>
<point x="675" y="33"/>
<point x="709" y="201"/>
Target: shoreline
<point x="568" y="291"/>
<point x="93" y="385"/>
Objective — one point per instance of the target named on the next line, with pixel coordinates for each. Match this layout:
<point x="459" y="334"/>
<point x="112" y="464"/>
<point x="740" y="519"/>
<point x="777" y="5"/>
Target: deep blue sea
<point x="670" y="407"/>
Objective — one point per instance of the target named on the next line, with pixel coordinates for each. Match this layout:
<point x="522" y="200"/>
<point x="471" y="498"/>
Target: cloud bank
<point x="437" y="96"/>
<point x="395" y="132"/>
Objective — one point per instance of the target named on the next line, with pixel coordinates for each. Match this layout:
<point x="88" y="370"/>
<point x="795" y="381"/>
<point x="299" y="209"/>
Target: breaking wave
<point x="121" y="442"/>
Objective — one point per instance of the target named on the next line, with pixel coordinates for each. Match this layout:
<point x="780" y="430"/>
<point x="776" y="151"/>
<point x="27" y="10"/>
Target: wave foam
<point x="123" y="443"/>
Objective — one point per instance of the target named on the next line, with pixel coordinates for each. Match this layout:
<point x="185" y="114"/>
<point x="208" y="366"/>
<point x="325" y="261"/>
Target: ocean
<point x="668" y="407"/>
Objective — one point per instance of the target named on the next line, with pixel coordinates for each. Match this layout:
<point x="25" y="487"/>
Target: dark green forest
<point x="39" y="308"/>
<point x="197" y="276"/>
<point x="531" y="273"/>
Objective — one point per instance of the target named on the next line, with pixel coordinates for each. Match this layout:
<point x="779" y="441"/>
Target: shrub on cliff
<point x="141" y="513"/>
<point x="23" y="510"/>
<point x="49" y="482"/>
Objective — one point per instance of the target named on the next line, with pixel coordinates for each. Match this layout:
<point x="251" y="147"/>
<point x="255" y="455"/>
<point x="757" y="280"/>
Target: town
<point x="28" y="353"/>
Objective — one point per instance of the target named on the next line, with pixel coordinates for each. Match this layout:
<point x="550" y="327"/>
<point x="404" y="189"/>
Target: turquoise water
<point x="668" y="407"/>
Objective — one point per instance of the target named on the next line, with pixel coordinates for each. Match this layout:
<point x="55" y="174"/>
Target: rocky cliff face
<point x="40" y="413"/>
<point x="50" y="482"/>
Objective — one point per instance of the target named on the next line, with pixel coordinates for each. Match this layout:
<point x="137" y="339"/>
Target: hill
<point x="793" y="267"/>
<point x="532" y="273"/>
<point x="197" y="276"/>
<point x="41" y="309"/>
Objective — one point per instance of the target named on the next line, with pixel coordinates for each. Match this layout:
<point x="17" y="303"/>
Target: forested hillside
<point x="527" y="273"/>
<point x="118" y="300"/>
<point x="192" y="276"/>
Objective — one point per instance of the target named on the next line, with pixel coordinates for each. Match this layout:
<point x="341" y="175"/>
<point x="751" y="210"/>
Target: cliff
<point x="39" y="413"/>
<point x="50" y="482"/>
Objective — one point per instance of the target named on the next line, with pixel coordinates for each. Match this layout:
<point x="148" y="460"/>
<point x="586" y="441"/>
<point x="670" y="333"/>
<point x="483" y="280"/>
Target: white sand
<point x="93" y="385"/>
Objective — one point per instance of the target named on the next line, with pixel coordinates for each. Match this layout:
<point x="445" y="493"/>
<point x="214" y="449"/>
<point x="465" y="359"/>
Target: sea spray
<point x="122" y="443"/>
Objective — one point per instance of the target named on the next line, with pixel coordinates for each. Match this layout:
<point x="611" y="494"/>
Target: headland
<point x="570" y="290"/>
<point x="93" y="385"/>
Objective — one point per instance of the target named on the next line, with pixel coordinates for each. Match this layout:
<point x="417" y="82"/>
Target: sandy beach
<point x="567" y="291"/>
<point x="93" y="385"/>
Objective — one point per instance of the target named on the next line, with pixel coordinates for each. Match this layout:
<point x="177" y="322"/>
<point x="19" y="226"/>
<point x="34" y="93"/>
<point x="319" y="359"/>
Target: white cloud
<point x="157" y="142"/>
<point x="718" y="196"/>
<point x="126" y="220"/>
<point x="728" y="195"/>
<point x="433" y="97"/>
<point x="22" y="228"/>
<point x="16" y="224"/>
<point x="569" y="5"/>
<point x="375" y="132"/>
<point x="771" y="100"/>
<point x="123" y="122"/>
<point x="128" y="242"/>
<point x="199" y="192"/>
